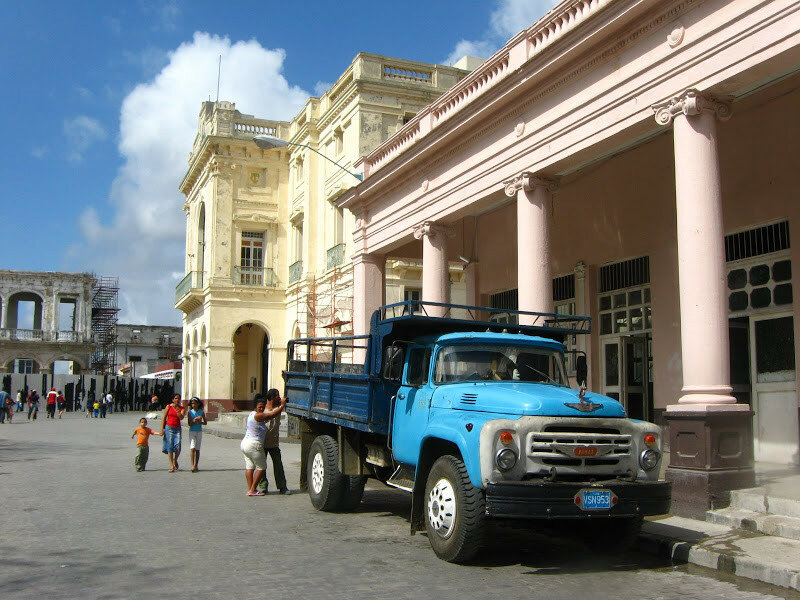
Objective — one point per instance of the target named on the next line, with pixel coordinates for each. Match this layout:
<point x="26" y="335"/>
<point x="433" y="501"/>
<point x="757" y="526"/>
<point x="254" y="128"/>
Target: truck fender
<point x="437" y="442"/>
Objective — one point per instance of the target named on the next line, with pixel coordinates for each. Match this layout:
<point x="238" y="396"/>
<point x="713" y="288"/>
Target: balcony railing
<point x="193" y="280"/>
<point x="335" y="256"/>
<point x="255" y="276"/>
<point x="295" y="271"/>
<point x="43" y="335"/>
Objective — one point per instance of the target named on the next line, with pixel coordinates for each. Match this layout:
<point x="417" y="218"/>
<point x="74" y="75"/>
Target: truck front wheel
<point x="454" y="511"/>
<point x="325" y="481"/>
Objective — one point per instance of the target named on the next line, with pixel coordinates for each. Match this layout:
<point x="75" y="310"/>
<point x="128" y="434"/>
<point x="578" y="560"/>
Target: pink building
<point x="636" y="161"/>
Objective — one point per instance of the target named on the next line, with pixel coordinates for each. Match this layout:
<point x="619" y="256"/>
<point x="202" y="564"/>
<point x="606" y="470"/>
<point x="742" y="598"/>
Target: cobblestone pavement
<point x="79" y="522"/>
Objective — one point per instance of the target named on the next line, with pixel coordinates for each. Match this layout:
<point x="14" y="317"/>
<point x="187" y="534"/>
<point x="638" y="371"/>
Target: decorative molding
<point x="432" y="229"/>
<point x="519" y="129"/>
<point x="528" y="182"/>
<point x="254" y="218"/>
<point x="580" y="270"/>
<point x="675" y="37"/>
<point x="690" y="102"/>
<point x="425" y="185"/>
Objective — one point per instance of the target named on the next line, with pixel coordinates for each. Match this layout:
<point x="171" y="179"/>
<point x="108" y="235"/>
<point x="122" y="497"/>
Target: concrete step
<point x="774" y="560"/>
<point x="766" y="501"/>
<point x="768" y="524"/>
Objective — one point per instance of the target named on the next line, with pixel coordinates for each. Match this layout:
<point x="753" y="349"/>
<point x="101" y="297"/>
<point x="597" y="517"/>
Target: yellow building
<point x="268" y="252"/>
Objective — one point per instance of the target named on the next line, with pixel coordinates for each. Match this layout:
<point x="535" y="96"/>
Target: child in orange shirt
<point x="144" y="432"/>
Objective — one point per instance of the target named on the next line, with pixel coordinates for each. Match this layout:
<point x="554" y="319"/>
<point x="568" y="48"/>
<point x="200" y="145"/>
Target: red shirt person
<point x="51" y="403"/>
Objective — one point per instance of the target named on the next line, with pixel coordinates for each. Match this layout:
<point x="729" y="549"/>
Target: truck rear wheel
<point x="353" y="491"/>
<point x="325" y="482"/>
<point x="454" y="511"/>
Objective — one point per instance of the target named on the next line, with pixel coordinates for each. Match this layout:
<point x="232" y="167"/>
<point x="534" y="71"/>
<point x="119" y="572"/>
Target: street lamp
<point x="267" y="142"/>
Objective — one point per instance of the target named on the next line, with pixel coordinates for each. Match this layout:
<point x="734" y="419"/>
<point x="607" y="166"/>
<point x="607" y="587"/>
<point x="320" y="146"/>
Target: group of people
<point x="55" y="401"/>
<point x="261" y="439"/>
<point x="171" y="431"/>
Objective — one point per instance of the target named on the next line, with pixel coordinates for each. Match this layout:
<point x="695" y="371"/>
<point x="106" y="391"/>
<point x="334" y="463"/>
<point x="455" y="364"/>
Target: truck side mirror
<point x="393" y="363"/>
<point x="581" y="370"/>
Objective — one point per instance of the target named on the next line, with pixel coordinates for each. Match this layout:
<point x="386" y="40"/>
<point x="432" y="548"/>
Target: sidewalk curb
<point x="730" y="559"/>
<point x="233" y="434"/>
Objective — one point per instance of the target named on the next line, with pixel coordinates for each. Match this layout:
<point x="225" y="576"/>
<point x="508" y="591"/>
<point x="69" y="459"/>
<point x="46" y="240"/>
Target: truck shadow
<point x="544" y="548"/>
<point x="558" y="549"/>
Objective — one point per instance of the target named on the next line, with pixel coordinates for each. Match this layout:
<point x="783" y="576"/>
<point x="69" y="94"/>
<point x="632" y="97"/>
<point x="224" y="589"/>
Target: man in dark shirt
<point x="271" y="441"/>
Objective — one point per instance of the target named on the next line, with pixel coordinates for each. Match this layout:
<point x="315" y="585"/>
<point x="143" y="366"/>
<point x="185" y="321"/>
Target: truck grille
<point x="557" y="448"/>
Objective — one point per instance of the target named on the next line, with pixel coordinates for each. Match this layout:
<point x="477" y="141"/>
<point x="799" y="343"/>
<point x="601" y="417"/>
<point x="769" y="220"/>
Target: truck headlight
<point x="506" y="459"/>
<point x="649" y="459"/>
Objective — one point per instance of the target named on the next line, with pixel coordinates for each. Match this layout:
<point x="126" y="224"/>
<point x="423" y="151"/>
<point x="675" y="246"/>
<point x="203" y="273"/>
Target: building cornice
<point x="515" y="89"/>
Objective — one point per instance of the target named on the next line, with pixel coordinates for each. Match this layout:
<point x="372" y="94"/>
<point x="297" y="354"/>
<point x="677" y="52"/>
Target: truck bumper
<point x="548" y="500"/>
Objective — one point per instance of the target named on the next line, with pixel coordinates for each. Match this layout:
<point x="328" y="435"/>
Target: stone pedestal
<point x="711" y="453"/>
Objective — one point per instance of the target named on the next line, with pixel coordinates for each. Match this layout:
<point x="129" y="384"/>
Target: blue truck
<point x="475" y="418"/>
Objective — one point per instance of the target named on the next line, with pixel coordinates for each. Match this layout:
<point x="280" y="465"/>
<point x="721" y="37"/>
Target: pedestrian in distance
<point x="62" y="403"/>
<point x="196" y="419"/>
<point x="271" y="441"/>
<point x="20" y="401"/>
<point x="33" y="405"/>
<point x="6" y="406"/>
<point x="171" y="430"/>
<point x="105" y="403"/>
<point x="96" y="409"/>
<point x="255" y="459"/>
<point x="142" y="446"/>
<point x="52" y="397"/>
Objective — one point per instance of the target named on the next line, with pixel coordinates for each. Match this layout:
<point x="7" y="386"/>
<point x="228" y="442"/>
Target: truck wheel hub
<point x="317" y="473"/>
<point x="442" y="508"/>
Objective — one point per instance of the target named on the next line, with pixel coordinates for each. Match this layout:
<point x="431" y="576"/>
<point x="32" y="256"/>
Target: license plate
<point x="594" y="499"/>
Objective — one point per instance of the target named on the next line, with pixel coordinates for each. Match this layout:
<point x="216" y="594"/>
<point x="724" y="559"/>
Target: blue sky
<point x="101" y="102"/>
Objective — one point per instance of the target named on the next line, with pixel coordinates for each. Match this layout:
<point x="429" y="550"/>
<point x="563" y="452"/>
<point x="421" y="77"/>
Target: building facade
<point x="139" y="349"/>
<point x="268" y="252"/>
<point x="45" y="317"/>
<point x="635" y="159"/>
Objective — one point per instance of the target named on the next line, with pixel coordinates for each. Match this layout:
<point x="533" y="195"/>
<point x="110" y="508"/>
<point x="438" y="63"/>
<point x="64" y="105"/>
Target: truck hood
<point x="524" y="398"/>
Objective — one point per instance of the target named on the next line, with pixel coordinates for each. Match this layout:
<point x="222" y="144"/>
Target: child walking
<point x="143" y="453"/>
<point x="197" y="418"/>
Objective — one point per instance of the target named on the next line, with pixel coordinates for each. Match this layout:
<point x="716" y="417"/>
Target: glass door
<point x="774" y="388"/>
<point x="627" y="370"/>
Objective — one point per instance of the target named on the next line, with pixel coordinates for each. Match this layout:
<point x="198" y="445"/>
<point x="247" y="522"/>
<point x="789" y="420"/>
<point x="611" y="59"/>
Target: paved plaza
<point x="79" y="522"/>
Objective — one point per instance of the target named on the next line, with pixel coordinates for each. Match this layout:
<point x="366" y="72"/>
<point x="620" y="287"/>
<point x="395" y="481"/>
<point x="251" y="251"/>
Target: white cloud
<point x="80" y="133"/>
<point x="39" y="151"/>
<point x="509" y="18"/>
<point x="321" y="87"/>
<point x="144" y="241"/>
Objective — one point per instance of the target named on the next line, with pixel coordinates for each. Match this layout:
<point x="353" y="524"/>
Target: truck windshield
<point x="488" y="362"/>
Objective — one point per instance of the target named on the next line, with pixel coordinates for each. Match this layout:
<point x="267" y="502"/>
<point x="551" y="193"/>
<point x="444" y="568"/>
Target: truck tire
<point x="454" y="511"/>
<point x="325" y="482"/>
<point x="353" y="491"/>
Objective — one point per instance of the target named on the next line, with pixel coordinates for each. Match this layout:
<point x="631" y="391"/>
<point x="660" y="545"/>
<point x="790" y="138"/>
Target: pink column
<point x="701" y="251"/>
<point x="368" y="289"/>
<point x="534" y="275"/>
<point x="435" y="268"/>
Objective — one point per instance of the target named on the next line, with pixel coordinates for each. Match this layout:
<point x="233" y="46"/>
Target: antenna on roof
<point x="219" y="71"/>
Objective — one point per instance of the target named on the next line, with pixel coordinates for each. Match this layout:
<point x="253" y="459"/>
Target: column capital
<point x="690" y="102"/>
<point x="432" y="229"/>
<point x="580" y="270"/>
<point x="369" y="258"/>
<point x="528" y="181"/>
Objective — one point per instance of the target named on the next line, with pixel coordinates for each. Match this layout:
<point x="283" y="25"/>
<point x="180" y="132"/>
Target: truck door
<point x="411" y="405"/>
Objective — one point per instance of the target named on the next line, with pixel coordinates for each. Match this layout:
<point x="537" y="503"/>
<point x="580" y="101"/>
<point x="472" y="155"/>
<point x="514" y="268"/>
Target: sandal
<point x="256" y="494"/>
<point x="172" y="469"/>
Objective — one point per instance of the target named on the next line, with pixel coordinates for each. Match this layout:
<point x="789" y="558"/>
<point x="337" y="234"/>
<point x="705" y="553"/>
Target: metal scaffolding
<point x="105" y="308"/>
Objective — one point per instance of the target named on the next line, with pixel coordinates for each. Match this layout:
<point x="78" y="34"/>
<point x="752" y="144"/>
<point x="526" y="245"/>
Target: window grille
<point x="757" y="241"/>
<point x="628" y="273"/>
<point x="564" y="287"/>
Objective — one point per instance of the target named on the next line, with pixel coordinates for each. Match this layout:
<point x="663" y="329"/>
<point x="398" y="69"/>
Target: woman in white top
<point x="255" y="459"/>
